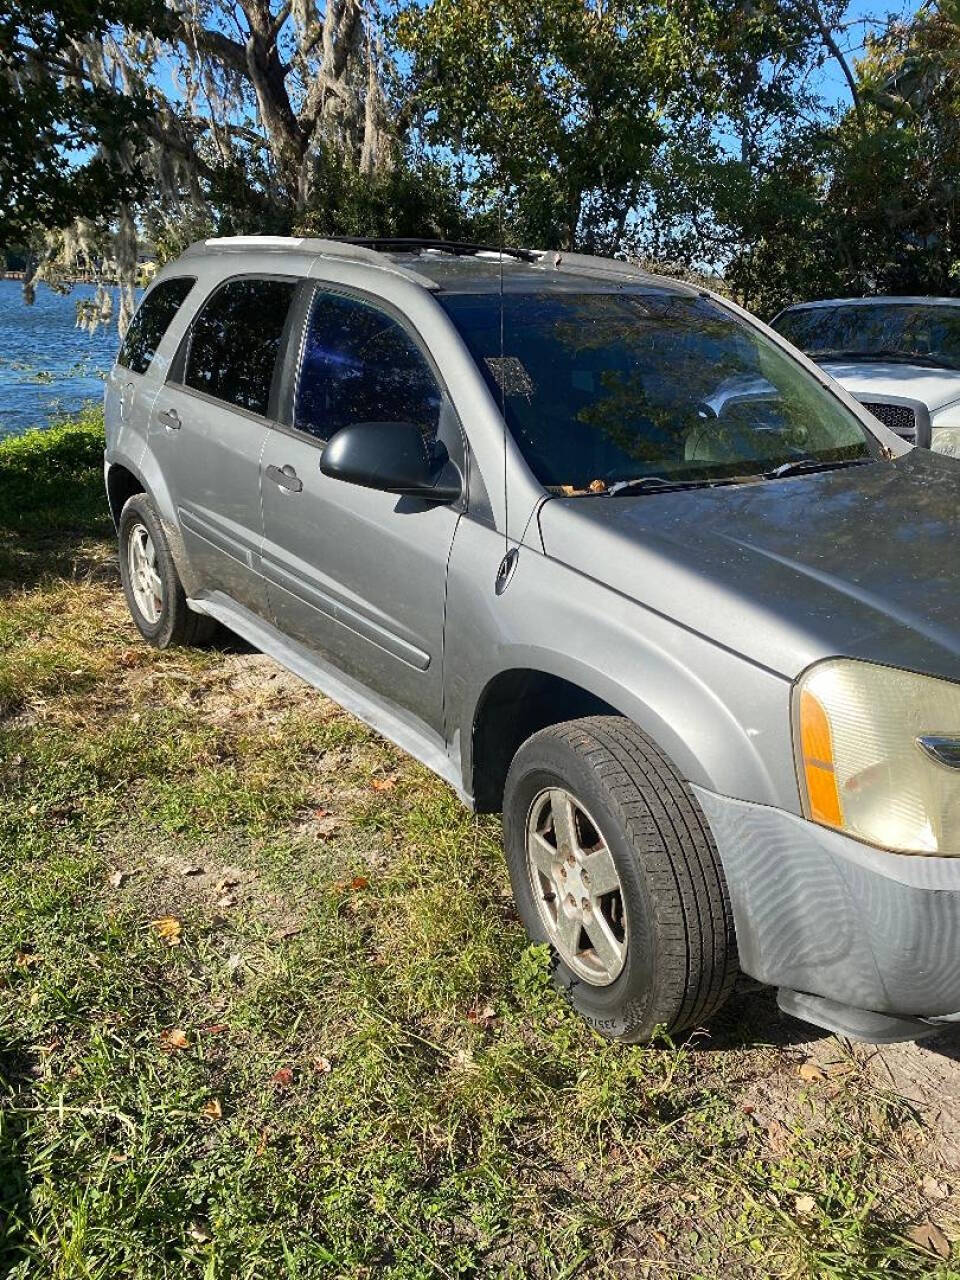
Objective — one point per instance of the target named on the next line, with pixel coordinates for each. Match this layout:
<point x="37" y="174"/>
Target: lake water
<point x="48" y="366"/>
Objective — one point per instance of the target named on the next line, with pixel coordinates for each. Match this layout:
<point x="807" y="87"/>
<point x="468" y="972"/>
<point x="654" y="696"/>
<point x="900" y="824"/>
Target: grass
<point x="338" y="1056"/>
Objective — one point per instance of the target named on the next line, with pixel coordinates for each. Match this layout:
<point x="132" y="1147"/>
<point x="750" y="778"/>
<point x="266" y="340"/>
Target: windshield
<point x="603" y="387"/>
<point x="908" y="331"/>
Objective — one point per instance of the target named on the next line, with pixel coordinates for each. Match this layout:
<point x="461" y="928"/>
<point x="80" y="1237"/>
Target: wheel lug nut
<point x="584" y="877"/>
<point x="563" y="873"/>
<point x="571" y="860"/>
<point x="585" y="904"/>
<point x="571" y="900"/>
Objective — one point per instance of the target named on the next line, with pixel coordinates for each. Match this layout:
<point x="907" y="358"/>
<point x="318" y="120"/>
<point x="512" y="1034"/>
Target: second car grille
<point x="898" y="417"/>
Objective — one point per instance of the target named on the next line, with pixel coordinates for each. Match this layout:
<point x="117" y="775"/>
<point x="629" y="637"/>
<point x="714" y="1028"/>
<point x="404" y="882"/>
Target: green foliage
<point x="51" y="479"/>
<point x="68" y="148"/>
<point x="554" y="104"/>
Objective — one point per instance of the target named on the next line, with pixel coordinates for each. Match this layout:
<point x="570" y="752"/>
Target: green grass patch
<point x="350" y="1063"/>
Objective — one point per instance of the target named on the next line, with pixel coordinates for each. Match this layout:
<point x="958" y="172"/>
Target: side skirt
<point x="406" y="731"/>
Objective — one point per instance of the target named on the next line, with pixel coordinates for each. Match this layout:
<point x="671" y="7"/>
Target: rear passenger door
<point x="209" y="425"/>
<point x="355" y="574"/>
<point x="130" y="391"/>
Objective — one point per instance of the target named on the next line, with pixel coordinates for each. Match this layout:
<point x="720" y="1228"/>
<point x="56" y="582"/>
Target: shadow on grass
<point x="14" y="1181"/>
<point x="752" y="1018"/>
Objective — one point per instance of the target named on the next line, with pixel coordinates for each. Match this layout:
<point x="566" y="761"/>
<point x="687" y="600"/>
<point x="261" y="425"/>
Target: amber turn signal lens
<point x="816" y="750"/>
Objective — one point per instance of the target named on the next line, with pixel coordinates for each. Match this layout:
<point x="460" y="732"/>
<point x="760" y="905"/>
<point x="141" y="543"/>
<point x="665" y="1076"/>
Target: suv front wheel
<point x="151" y="584"/>
<point x="613" y="865"/>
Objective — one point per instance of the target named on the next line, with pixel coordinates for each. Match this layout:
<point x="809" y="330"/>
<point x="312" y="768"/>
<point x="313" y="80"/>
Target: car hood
<point x="861" y="561"/>
<point x="933" y="387"/>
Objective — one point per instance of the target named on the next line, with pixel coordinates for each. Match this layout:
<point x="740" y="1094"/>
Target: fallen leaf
<point x="227" y="900"/>
<point x="136" y="718"/>
<point x="810" y="1071"/>
<point x="322" y="813"/>
<point x="169" y="928"/>
<point x="292" y="932"/>
<point x="197" y="1231"/>
<point x="173" y="1040"/>
<point x="934" y="1189"/>
<point x="804" y="1205"/>
<point x="212" y="1110"/>
<point x="215" y="1029"/>
<point x="34" y="808"/>
<point x="283" y="1077"/>
<point x="383" y="784"/>
<point x="359" y="882"/>
<point x="24" y="959"/>
<point x="482" y="1016"/>
<point x="191" y="869"/>
<point x="16" y="761"/>
<point x="929" y="1236"/>
<point x="117" y="878"/>
<point x="322" y="1065"/>
<point x="234" y="962"/>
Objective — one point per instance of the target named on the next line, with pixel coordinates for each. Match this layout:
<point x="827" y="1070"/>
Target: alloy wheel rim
<point x="576" y="887"/>
<point x="145" y="581"/>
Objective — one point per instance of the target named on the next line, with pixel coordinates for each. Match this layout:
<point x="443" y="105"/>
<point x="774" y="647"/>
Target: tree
<point x="553" y="104"/>
<point x="69" y="144"/>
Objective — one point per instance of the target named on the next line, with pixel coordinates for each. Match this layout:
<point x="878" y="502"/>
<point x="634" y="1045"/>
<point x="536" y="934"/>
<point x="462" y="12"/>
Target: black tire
<point x="177" y="623"/>
<point x="681" y="955"/>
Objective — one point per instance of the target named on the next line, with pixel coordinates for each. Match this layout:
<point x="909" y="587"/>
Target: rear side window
<point x="236" y="340"/>
<point x="151" y="322"/>
<point x="361" y="365"/>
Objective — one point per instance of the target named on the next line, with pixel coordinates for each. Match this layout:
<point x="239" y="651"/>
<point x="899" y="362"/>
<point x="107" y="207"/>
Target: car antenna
<point x="509" y="561"/>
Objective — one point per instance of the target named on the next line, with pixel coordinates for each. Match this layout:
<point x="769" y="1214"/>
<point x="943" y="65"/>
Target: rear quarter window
<point x="151" y="321"/>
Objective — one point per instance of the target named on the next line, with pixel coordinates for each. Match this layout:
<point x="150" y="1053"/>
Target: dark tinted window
<point x="908" y="332"/>
<point x="611" y="386"/>
<point x="235" y="342"/>
<point x="360" y="365"/>
<point x="151" y="322"/>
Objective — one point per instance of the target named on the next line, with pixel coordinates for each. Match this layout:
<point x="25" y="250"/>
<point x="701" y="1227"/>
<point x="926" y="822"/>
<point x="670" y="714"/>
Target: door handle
<point x="170" y="419"/>
<point x="285" y="477"/>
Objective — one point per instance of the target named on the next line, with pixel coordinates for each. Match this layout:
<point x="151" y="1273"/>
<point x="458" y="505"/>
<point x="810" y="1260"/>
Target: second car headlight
<point x="878" y="755"/>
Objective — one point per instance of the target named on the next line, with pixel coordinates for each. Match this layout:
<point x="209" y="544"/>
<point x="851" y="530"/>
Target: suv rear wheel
<point x="614" y="866"/>
<point x="155" y="595"/>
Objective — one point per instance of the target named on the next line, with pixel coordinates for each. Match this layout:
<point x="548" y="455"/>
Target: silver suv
<point x="608" y="555"/>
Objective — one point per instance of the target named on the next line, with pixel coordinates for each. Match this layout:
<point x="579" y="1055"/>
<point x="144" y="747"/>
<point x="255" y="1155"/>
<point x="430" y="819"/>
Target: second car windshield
<point x="924" y="333"/>
<point x="618" y="385"/>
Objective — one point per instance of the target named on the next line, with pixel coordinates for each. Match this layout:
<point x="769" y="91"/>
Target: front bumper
<point x="821" y="914"/>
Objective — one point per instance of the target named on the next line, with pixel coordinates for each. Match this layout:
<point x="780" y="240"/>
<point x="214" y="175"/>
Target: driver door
<point x="355" y="574"/>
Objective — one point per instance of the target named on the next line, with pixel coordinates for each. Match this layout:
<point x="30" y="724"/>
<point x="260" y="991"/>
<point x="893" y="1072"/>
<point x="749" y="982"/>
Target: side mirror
<point x="391" y="456"/>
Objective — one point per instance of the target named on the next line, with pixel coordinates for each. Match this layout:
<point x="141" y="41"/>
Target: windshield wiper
<point x="798" y="465"/>
<point x="658" y="484"/>
<point x="884" y="353"/>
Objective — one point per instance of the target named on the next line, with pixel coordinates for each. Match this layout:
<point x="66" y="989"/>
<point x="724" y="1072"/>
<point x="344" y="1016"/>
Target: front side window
<point x="361" y="365"/>
<point x="907" y="332"/>
<point x="235" y="342"/>
<point x="643" y="383"/>
<point x="152" y="320"/>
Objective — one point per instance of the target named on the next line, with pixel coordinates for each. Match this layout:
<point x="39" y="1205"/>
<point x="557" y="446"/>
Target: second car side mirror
<point x="392" y="457"/>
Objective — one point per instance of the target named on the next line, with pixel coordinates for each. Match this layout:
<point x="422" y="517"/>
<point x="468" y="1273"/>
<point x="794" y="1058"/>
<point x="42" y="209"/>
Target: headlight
<point x="878" y="755"/>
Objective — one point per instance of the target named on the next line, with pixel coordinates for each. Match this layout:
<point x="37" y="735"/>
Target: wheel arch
<point x="123" y="480"/>
<point x="695" y="728"/>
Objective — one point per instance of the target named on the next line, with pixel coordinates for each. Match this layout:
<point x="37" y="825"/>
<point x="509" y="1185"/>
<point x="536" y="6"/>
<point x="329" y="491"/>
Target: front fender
<point x="722" y="720"/>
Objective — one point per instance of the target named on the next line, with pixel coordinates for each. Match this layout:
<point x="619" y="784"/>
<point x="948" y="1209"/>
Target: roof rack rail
<point x="461" y="248"/>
